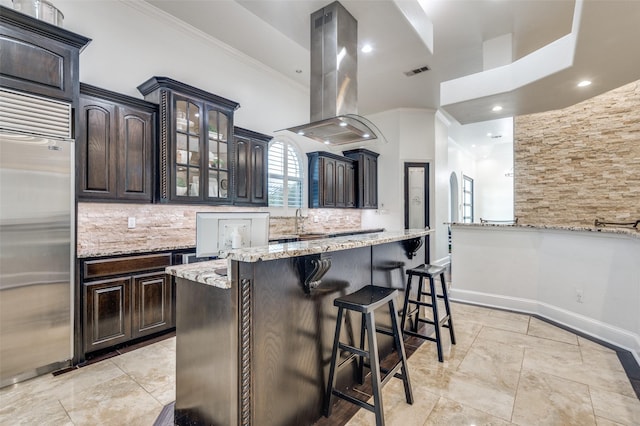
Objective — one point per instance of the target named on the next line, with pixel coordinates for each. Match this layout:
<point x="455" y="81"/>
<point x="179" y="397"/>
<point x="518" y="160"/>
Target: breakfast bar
<point x="253" y="347"/>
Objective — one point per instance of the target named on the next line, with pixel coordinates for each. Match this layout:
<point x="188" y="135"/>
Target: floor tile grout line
<point x="65" y="411"/>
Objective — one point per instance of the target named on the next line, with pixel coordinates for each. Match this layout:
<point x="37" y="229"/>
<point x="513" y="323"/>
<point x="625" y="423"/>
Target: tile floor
<point x="505" y="369"/>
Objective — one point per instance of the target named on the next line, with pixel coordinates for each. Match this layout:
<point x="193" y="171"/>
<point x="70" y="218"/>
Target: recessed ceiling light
<point x="473" y="145"/>
<point x="366" y="135"/>
<point x="301" y="132"/>
<point x="367" y="48"/>
<point x="327" y="142"/>
<point x="489" y="134"/>
<point x="343" y="124"/>
<point x="496" y="108"/>
<point x="584" y="83"/>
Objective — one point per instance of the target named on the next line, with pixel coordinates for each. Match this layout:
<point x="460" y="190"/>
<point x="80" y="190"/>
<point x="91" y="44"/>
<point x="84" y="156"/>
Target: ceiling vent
<point x="416" y="71"/>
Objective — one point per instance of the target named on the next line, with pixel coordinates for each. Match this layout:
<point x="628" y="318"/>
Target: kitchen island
<point x="254" y="347"/>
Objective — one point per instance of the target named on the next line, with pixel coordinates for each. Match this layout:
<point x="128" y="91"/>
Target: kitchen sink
<point x="311" y="236"/>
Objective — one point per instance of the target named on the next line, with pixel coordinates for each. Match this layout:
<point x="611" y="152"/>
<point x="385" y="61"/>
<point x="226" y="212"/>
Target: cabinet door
<point x="350" y="186"/>
<point x="243" y="170"/>
<point x="97" y="149"/>
<point x="218" y="155"/>
<point x="259" y="179"/>
<point x="370" y="182"/>
<point x="328" y="183"/>
<point x="135" y="154"/>
<point x="36" y="57"/>
<point x="341" y="184"/>
<point x="186" y="173"/>
<point x="151" y="303"/>
<point x="107" y="316"/>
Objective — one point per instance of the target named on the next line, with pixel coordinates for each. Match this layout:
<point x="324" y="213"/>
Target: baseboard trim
<point x="616" y="337"/>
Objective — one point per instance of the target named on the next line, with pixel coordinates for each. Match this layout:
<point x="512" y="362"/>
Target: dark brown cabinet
<point x="196" y="150"/>
<point x="251" y="167"/>
<point x="366" y="177"/>
<point x="331" y="181"/>
<point x="151" y="303"/>
<point x="116" y="141"/>
<point x="37" y="57"/>
<point x="124" y="298"/>
<point x="107" y="313"/>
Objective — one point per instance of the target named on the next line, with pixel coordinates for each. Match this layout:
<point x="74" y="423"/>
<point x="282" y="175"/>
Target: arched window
<point x="285" y="175"/>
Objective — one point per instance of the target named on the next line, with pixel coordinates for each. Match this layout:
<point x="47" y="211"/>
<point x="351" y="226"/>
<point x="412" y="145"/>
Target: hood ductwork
<point x="334" y="85"/>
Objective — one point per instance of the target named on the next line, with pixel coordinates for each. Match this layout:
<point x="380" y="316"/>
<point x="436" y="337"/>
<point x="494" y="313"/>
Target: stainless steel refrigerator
<point x="36" y="235"/>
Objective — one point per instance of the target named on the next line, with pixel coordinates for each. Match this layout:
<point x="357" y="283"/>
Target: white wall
<point x="461" y="162"/>
<point x="413" y="135"/>
<point x="589" y="281"/>
<point x="133" y="41"/>
<point x="494" y="190"/>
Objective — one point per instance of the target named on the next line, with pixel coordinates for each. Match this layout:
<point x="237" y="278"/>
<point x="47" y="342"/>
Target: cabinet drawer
<point x="125" y="265"/>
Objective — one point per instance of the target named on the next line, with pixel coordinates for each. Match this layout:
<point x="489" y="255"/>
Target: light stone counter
<point x="203" y="272"/>
<point x="632" y="232"/>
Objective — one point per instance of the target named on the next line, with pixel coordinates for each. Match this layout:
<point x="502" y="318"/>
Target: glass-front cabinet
<point x="196" y="152"/>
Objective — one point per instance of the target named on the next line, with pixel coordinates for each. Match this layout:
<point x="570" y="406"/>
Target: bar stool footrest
<point x="353" y="350"/>
<point x="354" y="400"/>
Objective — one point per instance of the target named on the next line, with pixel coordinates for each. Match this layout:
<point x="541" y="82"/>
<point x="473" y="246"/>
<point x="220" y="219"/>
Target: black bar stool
<point x="428" y="271"/>
<point x="365" y="301"/>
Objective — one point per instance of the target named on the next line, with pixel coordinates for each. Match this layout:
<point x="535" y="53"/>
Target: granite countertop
<point x="322" y="245"/>
<point x="605" y="230"/>
<point x="203" y="272"/>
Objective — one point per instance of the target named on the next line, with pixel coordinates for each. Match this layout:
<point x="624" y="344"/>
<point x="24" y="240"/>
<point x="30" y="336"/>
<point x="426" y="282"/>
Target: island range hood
<point x="334" y="85"/>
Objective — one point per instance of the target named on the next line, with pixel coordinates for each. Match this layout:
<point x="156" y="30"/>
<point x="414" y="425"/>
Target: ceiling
<point x="276" y="33"/>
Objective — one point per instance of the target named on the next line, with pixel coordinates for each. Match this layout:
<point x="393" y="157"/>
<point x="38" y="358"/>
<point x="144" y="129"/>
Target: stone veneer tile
<point x="580" y="163"/>
<point x="102" y="227"/>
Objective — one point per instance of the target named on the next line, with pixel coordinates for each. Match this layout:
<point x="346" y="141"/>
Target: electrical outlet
<point x="579" y="296"/>
<point x="131" y="222"/>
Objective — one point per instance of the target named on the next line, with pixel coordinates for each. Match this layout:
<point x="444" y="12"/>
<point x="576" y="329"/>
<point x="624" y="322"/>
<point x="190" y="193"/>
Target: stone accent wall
<point x="102" y="227"/>
<point x="580" y="163"/>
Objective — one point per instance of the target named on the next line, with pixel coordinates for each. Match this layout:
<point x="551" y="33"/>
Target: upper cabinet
<point x="331" y="181"/>
<point x="366" y="177"/>
<point x="38" y="57"/>
<point x="251" y="167"/>
<point x="196" y="150"/>
<point x="115" y="143"/>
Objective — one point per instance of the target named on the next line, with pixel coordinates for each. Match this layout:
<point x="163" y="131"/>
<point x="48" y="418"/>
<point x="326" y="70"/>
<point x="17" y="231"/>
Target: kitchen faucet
<point x="298" y="219"/>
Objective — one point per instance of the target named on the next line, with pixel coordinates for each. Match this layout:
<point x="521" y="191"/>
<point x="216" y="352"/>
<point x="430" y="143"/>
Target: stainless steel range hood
<point x="334" y="84"/>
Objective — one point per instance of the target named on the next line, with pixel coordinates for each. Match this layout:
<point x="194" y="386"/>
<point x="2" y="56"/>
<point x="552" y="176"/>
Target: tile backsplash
<point x="103" y="227"/>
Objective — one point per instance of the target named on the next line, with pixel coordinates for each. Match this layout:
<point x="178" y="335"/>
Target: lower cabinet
<point x="125" y="298"/>
<point x="108" y="313"/>
<point x="151" y="303"/>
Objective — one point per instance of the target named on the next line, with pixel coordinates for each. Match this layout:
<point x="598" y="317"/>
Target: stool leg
<point x="416" y="323"/>
<point x="436" y="320"/>
<point x="376" y="383"/>
<point x="397" y="336"/>
<point x="363" y="328"/>
<point x="332" y="369"/>
<point x="445" y="296"/>
<point x="405" y="308"/>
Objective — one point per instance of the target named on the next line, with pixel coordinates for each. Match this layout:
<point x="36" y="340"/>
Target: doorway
<point x="416" y="195"/>
<point x="453" y="190"/>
